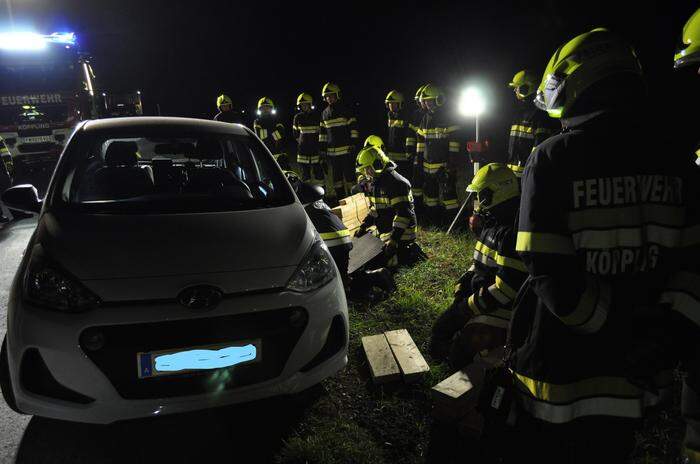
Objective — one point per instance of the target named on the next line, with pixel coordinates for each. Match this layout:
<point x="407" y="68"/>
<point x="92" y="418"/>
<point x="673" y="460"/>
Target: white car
<point x="172" y="269"/>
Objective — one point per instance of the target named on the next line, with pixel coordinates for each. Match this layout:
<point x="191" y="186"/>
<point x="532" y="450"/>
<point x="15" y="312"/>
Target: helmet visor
<point x="484" y="198"/>
<point x="550" y="96"/>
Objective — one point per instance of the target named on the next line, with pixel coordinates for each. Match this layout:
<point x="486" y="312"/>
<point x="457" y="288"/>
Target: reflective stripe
<point x="627" y="237"/>
<point x="454" y="147"/>
<point x="505" y="288"/>
<point x="410" y="141"/>
<point x="337" y="122"/>
<point x="485" y="255"/>
<point x="513" y="263"/>
<point x="417" y="192"/>
<point x="521" y="128"/>
<point x="322" y="137"/>
<point x="592" y="310"/>
<point x="336" y="151"/>
<point x="629" y="216"/>
<point x="309" y="129"/>
<point x="683" y="294"/>
<point x="538" y="242"/>
<point x="420" y="147"/>
<point x="276" y="135"/>
<point x="499" y="295"/>
<point x="352" y="120"/>
<point x="570" y="392"/>
<point x="450" y="204"/>
<point x="401" y="222"/>
<point x="430" y="201"/>
<point x="499" y="318"/>
<point x="395" y="156"/>
<point x="308" y="159"/>
<point x="335" y="234"/>
<point x="543" y="130"/>
<point x="396" y="123"/>
<point x="330" y="243"/>
<point x="404" y="199"/>
<point x="432" y="168"/>
<point x="354" y="134"/>
<point x="262" y="133"/>
<point x="471" y="302"/>
<point x="380" y="200"/>
<point x="603" y="406"/>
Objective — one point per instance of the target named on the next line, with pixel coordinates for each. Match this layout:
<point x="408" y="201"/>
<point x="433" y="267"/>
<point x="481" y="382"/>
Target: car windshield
<point x="156" y="174"/>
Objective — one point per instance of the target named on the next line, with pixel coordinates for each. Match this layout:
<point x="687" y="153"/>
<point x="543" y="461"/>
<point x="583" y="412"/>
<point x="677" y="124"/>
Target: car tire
<point x="5" y="384"/>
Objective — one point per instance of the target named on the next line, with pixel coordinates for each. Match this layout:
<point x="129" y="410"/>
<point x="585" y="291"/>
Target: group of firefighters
<point x="586" y="266"/>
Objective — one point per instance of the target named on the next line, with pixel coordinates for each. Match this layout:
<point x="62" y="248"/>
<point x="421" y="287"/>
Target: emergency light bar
<point x="34" y="41"/>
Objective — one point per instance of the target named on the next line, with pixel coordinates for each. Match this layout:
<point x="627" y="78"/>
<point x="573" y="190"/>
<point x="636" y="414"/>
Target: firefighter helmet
<point x="374" y="141"/>
<point x="691" y="40"/>
<point x="266" y="101"/>
<point x="394" y="97"/>
<point x="493" y="184"/>
<point x="524" y="83"/>
<point x="433" y="92"/>
<point x="371" y="160"/>
<point x="329" y="89"/>
<point x="578" y="64"/>
<point x="305" y="98"/>
<point x="419" y="92"/>
<point x="223" y="100"/>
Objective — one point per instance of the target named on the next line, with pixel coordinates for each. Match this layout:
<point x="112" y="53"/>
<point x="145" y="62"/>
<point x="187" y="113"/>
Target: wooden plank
<point x="382" y="365"/>
<point x="407" y="354"/>
<point x="458" y="394"/>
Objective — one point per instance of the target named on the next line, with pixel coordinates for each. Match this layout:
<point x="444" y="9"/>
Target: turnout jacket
<point x="339" y="134"/>
<point x="271" y="133"/>
<point x="329" y="226"/>
<point x="530" y="128"/>
<point x="412" y="134"/>
<point x="392" y="209"/>
<point x="398" y="134"/>
<point x="306" y="128"/>
<point x="605" y="228"/>
<point x="438" y="138"/>
<point x="498" y="275"/>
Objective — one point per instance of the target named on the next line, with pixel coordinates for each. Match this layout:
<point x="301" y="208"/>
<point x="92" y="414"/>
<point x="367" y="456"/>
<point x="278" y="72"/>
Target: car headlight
<point x="315" y="270"/>
<point x="46" y="284"/>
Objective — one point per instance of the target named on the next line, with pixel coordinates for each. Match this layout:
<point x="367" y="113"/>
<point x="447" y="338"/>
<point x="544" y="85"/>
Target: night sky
<point x="182" y="54"/>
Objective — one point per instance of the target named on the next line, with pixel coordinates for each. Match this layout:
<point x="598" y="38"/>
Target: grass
<point x="354" y="421"/>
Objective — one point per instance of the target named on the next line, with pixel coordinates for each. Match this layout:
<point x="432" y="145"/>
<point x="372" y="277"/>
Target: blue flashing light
<point x="66" y="38"/>
<point x="31" y="41"/>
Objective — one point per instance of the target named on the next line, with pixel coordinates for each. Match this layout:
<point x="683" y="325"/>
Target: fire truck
<point x="46" y="86"/>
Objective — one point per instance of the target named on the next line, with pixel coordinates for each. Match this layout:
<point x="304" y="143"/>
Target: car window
<point x="152" y="174"/>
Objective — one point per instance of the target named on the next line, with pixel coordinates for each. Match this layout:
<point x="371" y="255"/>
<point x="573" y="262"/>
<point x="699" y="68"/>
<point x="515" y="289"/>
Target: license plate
<point x="195" y="359"/>
<point x="36" y="139"/>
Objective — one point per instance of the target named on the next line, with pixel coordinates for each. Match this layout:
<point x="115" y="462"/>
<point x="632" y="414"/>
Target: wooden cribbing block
<point x="458" y="394"/>
<point x="407" y="354"/>
<point x="382" y="365"/>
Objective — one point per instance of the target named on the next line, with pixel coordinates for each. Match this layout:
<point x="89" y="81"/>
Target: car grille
<point x="278" y="330"/>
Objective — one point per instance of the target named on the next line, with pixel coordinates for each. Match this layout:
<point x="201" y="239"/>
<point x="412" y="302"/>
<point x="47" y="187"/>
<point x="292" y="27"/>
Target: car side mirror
<point x="308" y="193"/>
<point x="23" y="198"/>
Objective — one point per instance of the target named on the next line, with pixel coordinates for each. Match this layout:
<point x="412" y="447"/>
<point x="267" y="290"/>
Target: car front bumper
<point x="88" y="390"/>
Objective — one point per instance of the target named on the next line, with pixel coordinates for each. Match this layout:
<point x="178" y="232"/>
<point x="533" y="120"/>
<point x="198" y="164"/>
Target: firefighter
<point x="306" y="127"/>
<point x="392" y="210"/>
<point x="437" y="137"/>
<point x="226" y="111"/>
<point x="333" y="232"/>
<point x="271" y="131"/>
<point x="479" y="316"/>
<point x="531" y="126"/>
<point x="683" y="294"/>
<point x="412" y="147"/>
<point x="398" y="133"/>
<point x="339" y="139"/>
<point x="600" y="223"/>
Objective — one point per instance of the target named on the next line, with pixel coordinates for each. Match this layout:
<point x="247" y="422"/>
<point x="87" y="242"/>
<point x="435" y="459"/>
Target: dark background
<point x="182" y="54"/>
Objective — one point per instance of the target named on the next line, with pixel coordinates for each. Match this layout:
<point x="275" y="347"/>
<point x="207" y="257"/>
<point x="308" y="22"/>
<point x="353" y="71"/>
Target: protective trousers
<point x="343" y="167"/>
<point x="312" y="172"/>
<point x="439" y="191"/>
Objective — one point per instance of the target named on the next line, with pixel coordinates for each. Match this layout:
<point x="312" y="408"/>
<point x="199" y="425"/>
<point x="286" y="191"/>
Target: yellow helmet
<point x="305" y="98"/>
<point x="493" y="184"/>
<point x="691" y="38"/>
<point x="433" y="92"/>
<point x="419" y="92"/>
<point x="578" y="64"/>
<point x="371" y="158"/>
<point x="374" y="141"/>
<point x="525" y="83"/>
<point x="223" y="100"/>
<point x="266" y="101"/>
<point x="394" y="97"/>
<point x="330" y="88"/>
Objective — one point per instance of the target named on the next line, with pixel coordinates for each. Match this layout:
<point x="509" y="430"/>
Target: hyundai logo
<point x="200" y="297"/>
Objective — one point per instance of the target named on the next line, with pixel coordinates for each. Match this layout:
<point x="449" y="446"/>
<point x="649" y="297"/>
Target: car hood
<point x="238" y="251"/>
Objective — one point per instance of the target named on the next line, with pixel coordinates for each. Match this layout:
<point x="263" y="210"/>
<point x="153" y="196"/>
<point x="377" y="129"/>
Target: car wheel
<point x="5" y="384"/>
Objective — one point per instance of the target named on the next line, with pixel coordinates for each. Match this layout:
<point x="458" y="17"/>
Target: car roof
<point x="146" y="123"/>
